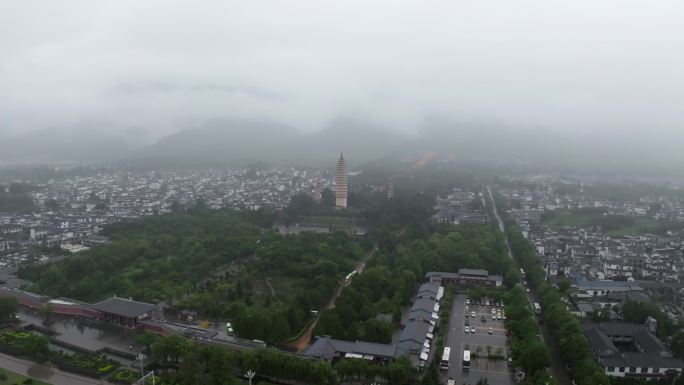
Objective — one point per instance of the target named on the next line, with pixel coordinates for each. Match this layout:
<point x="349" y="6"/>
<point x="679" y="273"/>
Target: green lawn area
<point x="613" y="224"/>
<point x="11" y="378"/>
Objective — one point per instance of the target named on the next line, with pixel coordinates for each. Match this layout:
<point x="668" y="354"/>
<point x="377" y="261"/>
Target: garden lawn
<point x="614" y="225"/>
<point x="16" y="378"/>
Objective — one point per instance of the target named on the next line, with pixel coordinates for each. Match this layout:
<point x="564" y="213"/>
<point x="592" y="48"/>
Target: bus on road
<point x="537" y="308"/>
<point x="444" y="362"/>
<point x="466" y="359"/>
<point x="522" y="274"/>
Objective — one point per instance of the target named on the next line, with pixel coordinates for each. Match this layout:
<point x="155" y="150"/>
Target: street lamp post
<point x="140" y="358"/>
<point x="250" y="374"/>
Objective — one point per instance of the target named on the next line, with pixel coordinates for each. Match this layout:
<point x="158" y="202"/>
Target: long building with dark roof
<point x="647" y="358"/>
<point x="125" y="312"/>
<point x="415" y="340"/>
<point x="327" y="348"/>
<point x="465" y="277"/>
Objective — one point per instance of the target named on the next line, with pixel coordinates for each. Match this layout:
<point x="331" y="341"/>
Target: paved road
<point x="496" y="372"/>
<point x="57" y="377"/>
<point x="558" y="370"/>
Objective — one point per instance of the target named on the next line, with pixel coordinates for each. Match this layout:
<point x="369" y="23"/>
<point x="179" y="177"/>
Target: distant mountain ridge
<point x="78" y="143"/>
<point x="242" y="140"/>
<point x="224" y="142"/>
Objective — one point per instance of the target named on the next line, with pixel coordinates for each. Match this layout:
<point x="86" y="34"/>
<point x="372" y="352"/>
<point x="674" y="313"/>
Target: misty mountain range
<point x="243" y="141"/>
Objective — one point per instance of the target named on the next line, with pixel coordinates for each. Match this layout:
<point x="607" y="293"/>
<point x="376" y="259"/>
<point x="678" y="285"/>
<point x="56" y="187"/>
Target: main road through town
<point x="558" y="370"/>
<point x="52" y="376"/>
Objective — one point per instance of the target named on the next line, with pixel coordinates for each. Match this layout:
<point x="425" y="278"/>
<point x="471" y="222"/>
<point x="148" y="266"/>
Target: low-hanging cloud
<point x="592" y="66"/>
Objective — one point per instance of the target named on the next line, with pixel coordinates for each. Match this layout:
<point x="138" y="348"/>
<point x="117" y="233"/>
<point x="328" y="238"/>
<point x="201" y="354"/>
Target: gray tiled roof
<point x="608" y="284"/>
<point x="473" y="272"/>
<point x="600" y="343"/>
<point x="655" y="354"/>
<point x="420" y="314"/>
<point x="124" y="307"/>
<point x="648" y="342"/>
<point x="424" y="304"/>
<point x="428" y="289"/>
<point x="651" y="360"/>
<point x="414" y="331"/>
<point x="620" y="328"/>
<point x="326" y="347"/>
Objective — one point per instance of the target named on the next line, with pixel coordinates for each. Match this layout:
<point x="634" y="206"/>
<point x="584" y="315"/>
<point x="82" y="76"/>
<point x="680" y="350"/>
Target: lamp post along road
<point x="140" y="358"/>
<point x="250" y="374"/>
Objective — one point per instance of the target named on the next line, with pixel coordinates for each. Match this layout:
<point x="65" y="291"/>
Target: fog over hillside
<point x="241" y="141"/>
<point x="570" y="84"/>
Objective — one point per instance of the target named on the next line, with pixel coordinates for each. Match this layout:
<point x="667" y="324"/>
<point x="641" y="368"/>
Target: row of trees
<point x="527" y="349"/>
<point x="281" y="366"/>
<point x="189" y="362"/>
<point x="278" y="365"/>
<point x="567" y="332"/>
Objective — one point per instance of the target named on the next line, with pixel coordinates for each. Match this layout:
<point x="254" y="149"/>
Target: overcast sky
<point x="588" y="65"/>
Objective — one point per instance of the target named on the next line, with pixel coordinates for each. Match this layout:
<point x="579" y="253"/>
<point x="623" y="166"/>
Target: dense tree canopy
<point x="216" y="262"/>
<point x="196" y="364"/>
<point x="8" y="308"/>
<point x="159" y="257"/>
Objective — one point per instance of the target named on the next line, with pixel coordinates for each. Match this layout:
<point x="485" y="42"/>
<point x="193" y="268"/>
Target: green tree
<point x="327" y="198"/>
<point x="46" y="311"/>
<point x="218" y="362"/>
<point x="677" y="344"/>
<point x="476" y="292"/>
<point x="512" y="277"/>
<point x="535" y="357"/>
<point x="8" y="308"/>
<point x="431" y="376"/>
<point x="191" y="370"/>
<point x="146" y="339"/>
<point x="170" y="349"/>
<point x="300" y="205"/>
<point x="539" y="377"/>
<point x="564" y="285"/>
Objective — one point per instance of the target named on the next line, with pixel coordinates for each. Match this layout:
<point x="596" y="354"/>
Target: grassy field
<point x="613" y="224"/>
<point x="9" y="378"/>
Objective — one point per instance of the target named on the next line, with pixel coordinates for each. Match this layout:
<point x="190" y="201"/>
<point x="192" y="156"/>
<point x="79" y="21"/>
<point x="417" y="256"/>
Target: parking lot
<point x="489" y="337"/>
